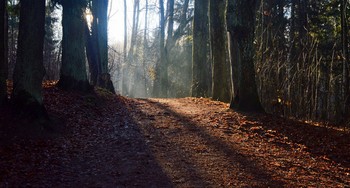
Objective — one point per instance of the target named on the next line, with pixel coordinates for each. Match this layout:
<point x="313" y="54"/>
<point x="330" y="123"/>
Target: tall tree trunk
<point x="345" y="42"/>
<point x="99" y="10"/>
<point x="3" y="51"/>
<point x="170" y="14"/>
<point x="163" y="62"/>
<point x="134" y="30"/>
<point x="160" y="82"/>
<point x="125" y="65"/>
<point x="302" y="15"/>
<point x="221" y="67"/>
<point x="145" y="49"/>
<point x="247" y="98"/>
<point x="132" y="58"/>
<point x="73" y="71"/>
<point x="168" y="46"/>
<point x="234" y="52"/>
<point x="200" y="64"/>
<point x="29" y="71"/>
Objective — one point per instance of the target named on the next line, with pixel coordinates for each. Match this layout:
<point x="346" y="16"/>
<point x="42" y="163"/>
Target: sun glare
<point x="88" y="17"/>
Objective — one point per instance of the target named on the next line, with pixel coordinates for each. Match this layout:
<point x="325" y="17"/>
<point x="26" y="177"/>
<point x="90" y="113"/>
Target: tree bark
<point x="200" y="64"/>
<point x="345" y="51"/>
<point x="160" y="82"/>
<point x="29" y="71"/>
<point x="234" y="52"/>
<point x="163" y="63"/>
<point x="91" y="55"/>
<point x="125" y="65"/>
<point x="134" y="30"/>
<point x="73" y="71"/>
<point x="3" y="51"/>
<point x="243" y="24"/>
<point x="145" y="50"/>
<point x="170" y="31"/>
<point x="221" y="67"/>
<point x="132" y="58"/>
<point x="100" y="34"/>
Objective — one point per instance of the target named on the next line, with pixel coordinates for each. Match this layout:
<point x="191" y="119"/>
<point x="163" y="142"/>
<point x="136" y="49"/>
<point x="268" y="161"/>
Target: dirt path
<point x="111" y="141"/>
<point x="199" y="143"/>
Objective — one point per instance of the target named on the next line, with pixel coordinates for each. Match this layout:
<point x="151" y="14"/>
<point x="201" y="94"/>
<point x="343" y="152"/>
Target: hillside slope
<point x="103" y="140"/>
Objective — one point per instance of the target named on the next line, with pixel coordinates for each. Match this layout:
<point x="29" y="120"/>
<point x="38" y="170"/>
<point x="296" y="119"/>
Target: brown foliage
<point x="105" y="140"/>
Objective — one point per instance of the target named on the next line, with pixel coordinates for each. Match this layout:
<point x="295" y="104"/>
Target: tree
<point x="145" y="49"/>
<point x="221" y="67"/>
<point x="243" y="27"/>
<point x="132" y="56"/>
<point x="91" y="53"/>
<point x="3" y="51"/>
<point x="29" y="71"/>
<point x="345" y="51"/>
<point x="73" y="71"/>
<point x="125" y="67"/>
<point x="200" y="64"/>
<point x="161" y="80"/>
<point x="51" y="44"/>
<point x="163" y="71"/>
<point x="100" y="36"/>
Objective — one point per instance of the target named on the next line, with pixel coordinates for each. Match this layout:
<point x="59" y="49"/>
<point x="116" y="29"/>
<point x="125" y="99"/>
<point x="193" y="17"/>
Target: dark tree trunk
<point x="163" y="73"/>
<point x="99" y="32"/>
<point x="3" y="51"/>
<point x="160" y="82"/>
<point x="170" y="14"/>
<point x="221" y="67"/>
<point x="234" y="52"/>
<point x="243" y="24"/>
<point x="29" y="71"/>
<point x="200" y="64"/>
<point x="167" y="48"/>
<point x="345" y="43"/>
<point x="73" y="71"/>
<point x="303" y="24"/>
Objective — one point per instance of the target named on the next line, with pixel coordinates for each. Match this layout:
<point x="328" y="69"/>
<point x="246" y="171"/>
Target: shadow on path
<point x="251" y="173"/>
<point x="102" y="147"/>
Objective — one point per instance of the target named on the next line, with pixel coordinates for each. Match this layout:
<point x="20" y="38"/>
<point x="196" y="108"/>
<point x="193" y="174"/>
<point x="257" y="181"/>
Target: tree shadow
<point x="259" y="176"/>
<point x="95" y="150"/>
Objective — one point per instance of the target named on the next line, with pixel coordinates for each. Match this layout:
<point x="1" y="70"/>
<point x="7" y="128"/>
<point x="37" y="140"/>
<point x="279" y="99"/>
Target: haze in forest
<point x="282" y="57"/>
<point x="116" y="19"/>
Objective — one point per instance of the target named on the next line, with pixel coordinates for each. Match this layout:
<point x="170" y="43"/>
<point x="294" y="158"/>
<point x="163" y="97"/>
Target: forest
<point x="175" y="93"/>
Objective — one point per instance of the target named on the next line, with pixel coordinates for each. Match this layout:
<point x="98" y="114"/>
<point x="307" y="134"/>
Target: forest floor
<point x="104" y="140"/>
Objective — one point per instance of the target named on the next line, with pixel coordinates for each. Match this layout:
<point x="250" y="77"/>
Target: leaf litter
<point x="106" y="140"/>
